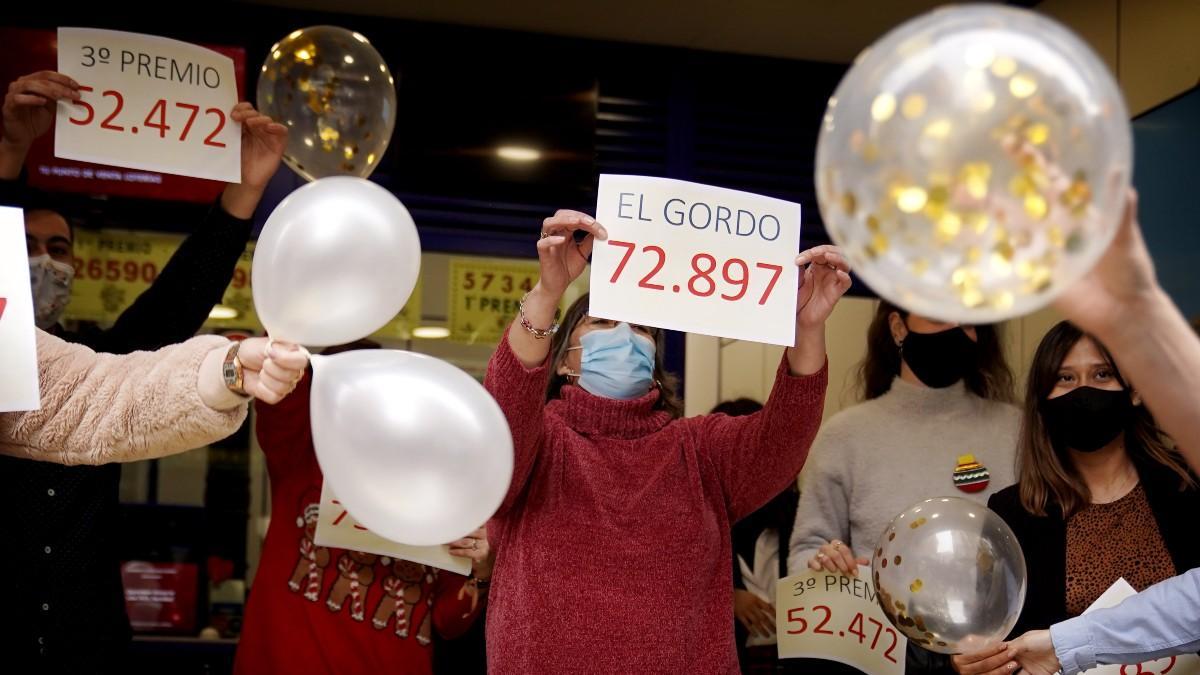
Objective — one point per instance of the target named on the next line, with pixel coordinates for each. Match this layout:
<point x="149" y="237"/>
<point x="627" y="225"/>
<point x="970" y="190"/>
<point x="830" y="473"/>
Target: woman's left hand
<point x="475" y="546"/>
<point x="824" y="278"/>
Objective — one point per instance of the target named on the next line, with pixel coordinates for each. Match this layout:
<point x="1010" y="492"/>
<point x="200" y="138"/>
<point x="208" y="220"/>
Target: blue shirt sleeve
<point x="1163" y="620"/>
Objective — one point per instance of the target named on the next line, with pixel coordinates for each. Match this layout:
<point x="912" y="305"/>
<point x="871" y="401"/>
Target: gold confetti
<point x="884" y="564"/>
<point x="1037" y="133"/>
<point x="942" y="644"/>
<point x="1055" y="236"/>
<point x="973" y="255"/>
<point x="1005" y="251"/>
<point x="1004" y="67"/>
<point x="879" y="552"/>
<point x="879" y="244"/>
<point x="900" y="605"/>
<point x="948" y="227"/>
<point x="349" y="151"/>
<point x="1001" y="265"/>
<point x="873" y="223"/>
<point x="911" y="199"/>
<point x="971" y="297"/>
<point x="915" y="586"/>
<point x="1035" y="206"/>
<point x="870" y="153"/>
<point x="978" y="222"/>
<point x="1025" y="269"/>
<point x="1078" y="195"/>
<point x="1021" y="185"/>
<point x="896" y="560"/>
<point x="370" y="158"/>
<point x="975" y="176"/>
<point x="1022" y="85"/>
<point x="938" y="129"/>
<point x="919" y="267"/>
<point x="883" y="107"/>
<point x="849" y="203"/>
<point x="913" y="106"/>
<point x="1003" y="301"/>
<point x="935" y="202"/>
<point x="892" y="536"/>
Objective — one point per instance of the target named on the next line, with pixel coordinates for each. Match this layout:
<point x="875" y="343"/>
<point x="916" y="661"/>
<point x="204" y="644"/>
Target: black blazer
<point x="1044" y="541"/>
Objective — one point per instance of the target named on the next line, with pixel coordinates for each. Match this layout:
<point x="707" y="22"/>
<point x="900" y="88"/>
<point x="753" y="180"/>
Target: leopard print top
<point x="1108" y="541"/>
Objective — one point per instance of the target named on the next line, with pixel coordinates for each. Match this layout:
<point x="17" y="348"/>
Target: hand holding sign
<point x="30" y="104"/>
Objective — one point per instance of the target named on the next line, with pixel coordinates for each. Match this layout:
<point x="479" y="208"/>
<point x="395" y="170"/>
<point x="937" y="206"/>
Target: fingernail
<point x="589" y="220"/>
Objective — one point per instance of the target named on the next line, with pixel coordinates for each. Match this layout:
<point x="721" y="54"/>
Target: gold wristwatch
<point x="232" y="370"/>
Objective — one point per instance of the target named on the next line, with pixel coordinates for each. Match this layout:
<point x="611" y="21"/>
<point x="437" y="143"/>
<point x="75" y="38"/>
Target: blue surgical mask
<point x="617" y="363"/>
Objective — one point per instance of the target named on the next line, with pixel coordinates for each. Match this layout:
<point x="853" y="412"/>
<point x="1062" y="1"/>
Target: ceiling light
<point x="431" y="332"/>
<point x="514" y="153"/>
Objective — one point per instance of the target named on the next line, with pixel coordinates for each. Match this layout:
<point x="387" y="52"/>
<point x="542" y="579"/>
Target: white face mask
<point x="51" y="284"/>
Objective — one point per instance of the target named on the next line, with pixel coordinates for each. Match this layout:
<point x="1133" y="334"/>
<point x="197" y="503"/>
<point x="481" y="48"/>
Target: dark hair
<point x="738" y="407"/>
<point x="990" y="379"/>
<point x="668" y="398"/>
<point x="1046" y="474"/>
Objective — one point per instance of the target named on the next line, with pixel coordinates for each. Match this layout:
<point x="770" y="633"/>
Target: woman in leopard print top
<point x="1101" y="495"/>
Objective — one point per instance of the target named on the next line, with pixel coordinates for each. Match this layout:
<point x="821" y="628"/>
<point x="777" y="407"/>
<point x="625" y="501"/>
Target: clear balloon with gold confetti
<point x="950" y="575"/>
<point x="973" y="163"/>
<point x="336" y="96"/>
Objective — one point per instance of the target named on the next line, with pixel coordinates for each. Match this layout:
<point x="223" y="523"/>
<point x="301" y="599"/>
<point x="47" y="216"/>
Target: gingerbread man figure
<point x="310" y="568"/>
<point x="403" y="590"/>
<point x="356" y="572"/>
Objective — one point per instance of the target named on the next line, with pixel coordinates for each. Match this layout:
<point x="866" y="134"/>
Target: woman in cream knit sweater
<point x="101" y="408"/>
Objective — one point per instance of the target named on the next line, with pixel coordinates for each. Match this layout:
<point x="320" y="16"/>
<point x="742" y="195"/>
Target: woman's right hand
<point x="836" y="557"/>
<point x="562" y="259"/>
<point x="994" y="660"/>
<point x="757" y="615"/>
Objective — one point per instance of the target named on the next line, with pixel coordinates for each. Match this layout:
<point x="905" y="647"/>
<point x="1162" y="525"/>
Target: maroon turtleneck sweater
<point x="613" y="542"/>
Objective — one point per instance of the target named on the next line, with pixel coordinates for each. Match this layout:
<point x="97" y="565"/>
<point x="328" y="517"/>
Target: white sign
<point x="820" y="615"/>
<point x="336" y="528"/>
<point x="148" y="103"/>
<point x="18" y="340"/>
<point x="696" y="258"/>
<point x="1187" y="664"/>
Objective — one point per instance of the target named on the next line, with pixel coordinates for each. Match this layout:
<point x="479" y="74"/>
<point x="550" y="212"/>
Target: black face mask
<point x="1087" y="418"/>
<point x="939" y="359"/>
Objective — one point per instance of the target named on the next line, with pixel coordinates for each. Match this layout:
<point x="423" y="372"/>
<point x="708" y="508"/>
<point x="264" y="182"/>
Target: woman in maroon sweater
<point x="613" y="541"/>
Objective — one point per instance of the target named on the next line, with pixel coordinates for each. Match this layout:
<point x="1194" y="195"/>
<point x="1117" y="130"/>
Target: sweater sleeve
<point x="758" y="455"/>
<point x="1161" y="621"/>
<point x="824" y="511"/>
<point x="178" y="302"/>
<point x="452" y="611"/>
<point x="521" y="393"/>
<point x="101" y="408"/>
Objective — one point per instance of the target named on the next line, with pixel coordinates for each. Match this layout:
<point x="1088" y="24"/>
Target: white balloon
<point x="416" y="449"/>
<point x="336" y="261"/>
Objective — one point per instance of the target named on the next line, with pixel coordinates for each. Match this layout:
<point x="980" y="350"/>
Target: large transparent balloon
<point x="416" y="449"/>
<point x="950" y="575"/>
<point x="336" y="261"/>
<point x="336" y="96"/>
<point x="973" y="163"/>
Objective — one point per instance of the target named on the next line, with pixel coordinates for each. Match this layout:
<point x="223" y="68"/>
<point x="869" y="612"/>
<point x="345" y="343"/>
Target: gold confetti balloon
<point x="974" y="163"/>
<point x="336" y="96"/>
<point x="950" y="575"/>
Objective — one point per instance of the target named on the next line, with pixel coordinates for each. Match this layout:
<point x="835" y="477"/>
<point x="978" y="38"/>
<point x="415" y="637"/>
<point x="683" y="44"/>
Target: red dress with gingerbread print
<point x="318" y="610"/>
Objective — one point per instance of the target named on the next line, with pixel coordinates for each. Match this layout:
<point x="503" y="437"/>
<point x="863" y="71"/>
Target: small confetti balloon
<point x="974" y="163"/>
<point x="336" y="96"/>
<point x="950" y="575"/>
